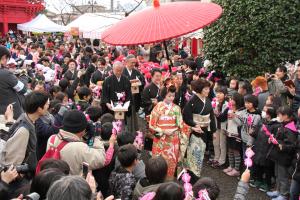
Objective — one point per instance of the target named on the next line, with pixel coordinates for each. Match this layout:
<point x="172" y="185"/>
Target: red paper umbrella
<point x="162" y="22"/>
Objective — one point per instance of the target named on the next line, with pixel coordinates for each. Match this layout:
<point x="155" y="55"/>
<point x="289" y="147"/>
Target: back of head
<point x="56" y="164"/>
<point x="70" y="188"/>
<point x="107" y="117"/>
<point x="83" y="92"/>
<point x="127" y="155"/>
<point x="170" y="191"/>
<point x="106" y="131"/>
<point x="35" y="100"/>
<point x="94" y="113"/>
<point x="43" y="181"/>
<point x="156" y="170"/>
<point x="74" y="121"/>
<point x="125" y="138"/>
<point x="209" y="184"/>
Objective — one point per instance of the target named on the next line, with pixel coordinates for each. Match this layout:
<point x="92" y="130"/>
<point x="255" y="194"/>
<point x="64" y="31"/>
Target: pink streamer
<point x="250" y="120"/>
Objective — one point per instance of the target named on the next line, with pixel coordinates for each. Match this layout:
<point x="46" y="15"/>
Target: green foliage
<point x="254" y="36"/>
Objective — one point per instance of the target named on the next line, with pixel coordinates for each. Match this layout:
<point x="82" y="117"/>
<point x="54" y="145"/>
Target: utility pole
<point x="111" y="5"/>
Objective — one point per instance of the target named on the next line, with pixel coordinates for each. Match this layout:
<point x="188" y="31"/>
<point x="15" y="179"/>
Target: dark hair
<point x="222" y="89"/>
<point x="35" y="100"/>
<point x="210" y="185"/>
<point x="96" y="42"/>
<point x="125" y="138"/>
<point x="239" y="100"/>
<point x="237" y="82"/>
<point x="102" y="60"/>
<point x="107" y="117"/>
<point x="246" y="85"/>
<point x="54" y="106"/>
<point x="165" y="91"/>
<point x="94" y="58"/>
<point x="127" y="154"/>
<point x="70" y="187"/>
<point x="4" y="52"/>
<point x="106" y="131"/>
<point x="251" y="99"/>
<point x="54" y="89"/>
<point x="199" y="85"/>
<point x="63" y="84"/>
<point x="43" y="181"/>
<point x="282" y="69"/>
<point x="155" y="70"/>
<point x="285" y="110"/>
<point x="67" y="55"/>
<point x="169" y="191"/>
<point x="271" y="111"/>
<point x="156" y="170"/>
<point x="56" y="164"/>
<point x="60" y="96"/>
<point x="72" y="61"/>
<point x="94" y="113"/>
<point x="83" y="92"/>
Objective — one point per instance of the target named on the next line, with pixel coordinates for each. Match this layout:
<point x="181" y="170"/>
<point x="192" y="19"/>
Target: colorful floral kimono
<point x="166" y="117"/>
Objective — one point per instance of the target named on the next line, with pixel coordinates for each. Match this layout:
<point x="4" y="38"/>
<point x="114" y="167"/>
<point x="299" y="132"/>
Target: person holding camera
<point x="6" y="178"/>
<point x="77" y="151"/>
<point x="11" y="89"/>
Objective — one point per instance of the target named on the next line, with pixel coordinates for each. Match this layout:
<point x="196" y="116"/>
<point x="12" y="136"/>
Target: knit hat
<point x="261" y="82"/>
<point x="74" y="121"/>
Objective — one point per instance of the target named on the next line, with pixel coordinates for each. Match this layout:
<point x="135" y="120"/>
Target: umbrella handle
<point x="168" y="57"/>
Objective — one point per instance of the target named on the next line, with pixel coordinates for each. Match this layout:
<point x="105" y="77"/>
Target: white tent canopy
<point x="93" y="24"/>
<point x="41" y="24"/>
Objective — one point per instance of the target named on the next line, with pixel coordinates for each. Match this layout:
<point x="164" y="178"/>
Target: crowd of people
<point x="61" y="139"/>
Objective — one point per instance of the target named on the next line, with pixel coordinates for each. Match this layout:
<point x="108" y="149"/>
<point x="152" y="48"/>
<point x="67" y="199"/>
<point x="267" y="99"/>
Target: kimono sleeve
<point x="154" y="117"/>
<point x="188" y="114"/>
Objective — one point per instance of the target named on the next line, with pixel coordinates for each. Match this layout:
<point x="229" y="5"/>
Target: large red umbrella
<point x="162" y="22"/>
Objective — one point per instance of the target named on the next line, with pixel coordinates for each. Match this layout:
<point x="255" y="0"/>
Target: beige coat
<point x="76" y="152"/>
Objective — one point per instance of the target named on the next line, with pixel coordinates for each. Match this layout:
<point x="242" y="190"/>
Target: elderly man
<point x="116" y="83"/>
<point x="132" y="74"/>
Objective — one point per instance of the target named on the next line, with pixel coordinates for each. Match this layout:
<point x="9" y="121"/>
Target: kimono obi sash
<point x="167" y="122"/>
<point x="202" y="120"/>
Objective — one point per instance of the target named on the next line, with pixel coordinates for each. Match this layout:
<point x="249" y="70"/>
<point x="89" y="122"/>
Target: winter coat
<point x="75" y="152"/>
<point x="262" y="98"/>
<point x="4" y="190"/>
<point x="296" y="164"/>
<point x="121" y="184"/>
<point x="246" y="135"/>
<point x="286" y="135"/>
<point x="143" y="187"/>
<point x="44" y="128"/>
<point x="261" y="144"/>
<point x="296" y="99"/>
<point x="222" y="116"/>
<point x="277" y="88"/>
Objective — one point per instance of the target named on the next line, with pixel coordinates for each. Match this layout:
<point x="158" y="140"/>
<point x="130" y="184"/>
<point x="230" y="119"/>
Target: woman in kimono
<point x="166" y="121"/>
<point x="199" y="115"/>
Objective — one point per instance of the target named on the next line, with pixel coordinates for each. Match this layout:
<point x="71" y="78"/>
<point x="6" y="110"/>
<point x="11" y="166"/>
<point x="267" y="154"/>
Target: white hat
<point x="28" y="62"/>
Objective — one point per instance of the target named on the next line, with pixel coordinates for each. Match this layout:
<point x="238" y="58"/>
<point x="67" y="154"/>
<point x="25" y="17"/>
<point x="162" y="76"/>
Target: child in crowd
<point x="234" y="141"/>
<point x="84" y="94"/>
<point x="122" y="180"/>
<point x="233" y="87"/>
<point x="219" y="137"/>
<point x="249" y="119"/>
<point x="207" y="184"/>
<point x="282" y="152"/>
<point x="263" y="167"/>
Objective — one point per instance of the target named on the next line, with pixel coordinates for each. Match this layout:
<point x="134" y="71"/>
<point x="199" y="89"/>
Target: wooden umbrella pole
<point x="168" y="57"/>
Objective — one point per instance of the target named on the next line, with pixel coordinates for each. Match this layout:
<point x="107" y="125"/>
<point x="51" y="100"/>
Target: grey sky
<point x="58" y="5"/>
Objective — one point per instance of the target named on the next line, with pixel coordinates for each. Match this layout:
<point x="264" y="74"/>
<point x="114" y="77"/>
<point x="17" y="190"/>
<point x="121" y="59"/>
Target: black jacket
<point x="296" y="164"/>
<point x="288" y="139"/>
<point x="261" y="144"/>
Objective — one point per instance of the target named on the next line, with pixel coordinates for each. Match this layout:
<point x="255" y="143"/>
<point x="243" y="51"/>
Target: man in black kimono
<point x="101" y="73"/>
<point x="132" y="74"/>
<point x="116" y="83"/>
<point x="150" y="97"/>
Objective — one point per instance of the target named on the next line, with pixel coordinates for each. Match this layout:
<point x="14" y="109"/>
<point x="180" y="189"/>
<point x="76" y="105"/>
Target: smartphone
<point x="85" y="169"/>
